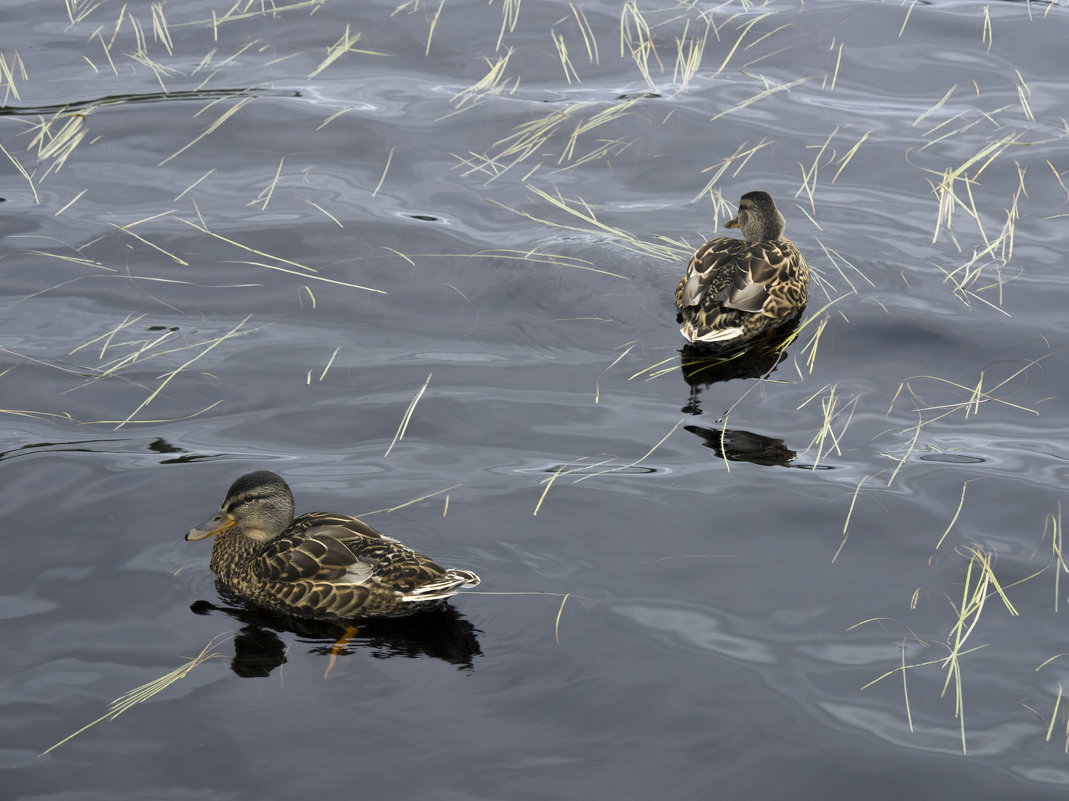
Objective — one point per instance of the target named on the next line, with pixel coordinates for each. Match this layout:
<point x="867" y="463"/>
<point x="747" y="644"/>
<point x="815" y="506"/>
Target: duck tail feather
<point x="714" y="335"/>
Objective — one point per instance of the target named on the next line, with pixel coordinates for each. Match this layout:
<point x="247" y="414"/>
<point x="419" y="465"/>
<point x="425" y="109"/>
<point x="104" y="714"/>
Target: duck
<point x="735" y="290"/>
<point x="320" y="565"/>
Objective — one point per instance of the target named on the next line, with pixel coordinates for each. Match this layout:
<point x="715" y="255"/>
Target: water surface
<point x="183" y="303"/>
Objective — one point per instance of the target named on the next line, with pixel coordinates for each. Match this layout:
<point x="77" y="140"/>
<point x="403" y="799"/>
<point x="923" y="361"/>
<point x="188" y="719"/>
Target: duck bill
<point x="209" y="528"/>
<point x="732" y="223"/>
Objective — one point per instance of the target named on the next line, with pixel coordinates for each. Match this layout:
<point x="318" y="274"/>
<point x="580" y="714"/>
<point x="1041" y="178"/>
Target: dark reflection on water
<point x="951" y="458"/>
<point x="703" y="365"/>
<point x="158" y="445"/>
<point x="439" y="634"/>
<point x="745" y="446"/>
<point x="148" y="97"/>
<point x="77" y="446"/>
<point x="161" y="445"/>
<point x="597" y="469"/>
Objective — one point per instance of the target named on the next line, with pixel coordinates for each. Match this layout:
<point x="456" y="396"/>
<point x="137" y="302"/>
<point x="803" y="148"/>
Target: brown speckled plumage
<point x="736" y="289"/>
<point x="321" y="565"/>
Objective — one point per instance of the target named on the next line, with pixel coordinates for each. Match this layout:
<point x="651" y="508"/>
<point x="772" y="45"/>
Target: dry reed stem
<point x="212" y="127"/>
<point x="212" y="344"/>
<point x="146" y="691"/>
<point x="388" y="509"/>
<point x="408" y="416"/>
<point x="771" y="90"/>
<point x="431" y="27"/>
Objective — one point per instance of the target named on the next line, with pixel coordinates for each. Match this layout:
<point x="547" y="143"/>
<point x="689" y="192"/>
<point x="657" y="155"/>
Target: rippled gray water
<point x="184" y="301"/>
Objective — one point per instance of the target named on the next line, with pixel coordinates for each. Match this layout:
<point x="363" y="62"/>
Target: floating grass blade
<point x="22" y="171"/>
<point x="846" y="523"/>
<point x="722" y="167"/>
<point x="637" y="40"/>
<point x="141" y="239"/>
<point x="742" y="31"/>
<point x="937" y="106"/>
<point x="194" y="184"/>
<point x="7" y="75"/>
<point x="56" y="146"/>
<point x="565" y="61"/>
<point x="147" y="691"/>
<point x="408" y="415"/>
<point x="239" y="11"/>
<point x="556" y="623"/>
<point x="1053" y="522"/>
<point x="549" y="484"/>
<point x="1054" y="714"/>
<point x="330" y="361"/>
<point x="410" y="503"/>
<point x="510" y="15"/>
<point x="326" y="213"/>
<point x="493" y="83"/>
<point x="269" y="190"/>
<point x="673" y="251"/>
<point x="230" y="112"/>
<point x="771" y="90"/>
<point x="304" y="267"/>
<point x="343" y="45"/>
<point x="1023" y="94"/>
<point x="653" y="367"/>
<point x="909" y="11"/>
<point x="637" y="461"/>
<point x="909" y="450"/>
<point x="378" y="186"/>
<point x="832" y="406"/>
<point x="71" y="202"/>
<point x="153" y="421"/>
<point x="433" y="25"/>
<point x="109" y="335"/>
<point x="809" y="177"/>
<point x="948" y="198"/>
<point x="957" y="512"/>
<point x="212" y="344"/>
<point x="78" y="10"/>
<point x="159" y="28"/>
<point x="334" y="116"/>
<point x="849" y="155"/>
<point x="838" y="61"/>
<point x="689" y="53"/>
<point x="977" y="394"/>
<point x="589" y="40"/>
<point x="597" y="381"/>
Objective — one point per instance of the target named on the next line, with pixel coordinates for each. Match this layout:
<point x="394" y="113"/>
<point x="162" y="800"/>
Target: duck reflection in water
<point x="705" y="365"/>
<point x="745" y="446"/>
<point x="441" y="633"/>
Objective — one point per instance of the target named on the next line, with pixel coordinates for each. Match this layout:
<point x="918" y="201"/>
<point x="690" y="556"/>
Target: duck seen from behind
<point x="321" y="565"/>
<point x="737" y="289"/>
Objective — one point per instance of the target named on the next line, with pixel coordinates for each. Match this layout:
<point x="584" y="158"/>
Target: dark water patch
<point x="150" y="97"/>
<point x="951" y="458"/>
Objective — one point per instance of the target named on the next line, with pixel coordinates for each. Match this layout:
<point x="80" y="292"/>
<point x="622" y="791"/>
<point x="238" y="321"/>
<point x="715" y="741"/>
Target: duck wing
<point x="710" y="272"/>
<point x="760" y="273"/>
<point x="737" y="274"/>
<point x="323" y="547"/>
<point x="338" y="566"/>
